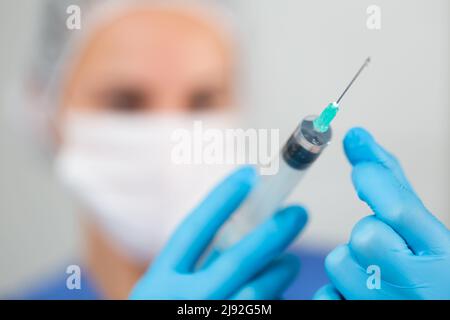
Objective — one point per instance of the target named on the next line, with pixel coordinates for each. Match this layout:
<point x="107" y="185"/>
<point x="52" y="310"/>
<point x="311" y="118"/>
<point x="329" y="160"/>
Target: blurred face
<point x="146" y="61"/>
<point x="152" y="61"/>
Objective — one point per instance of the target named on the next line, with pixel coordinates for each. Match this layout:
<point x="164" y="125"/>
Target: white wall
<point x="299" y="56"/>
<point x="37" y="226"/>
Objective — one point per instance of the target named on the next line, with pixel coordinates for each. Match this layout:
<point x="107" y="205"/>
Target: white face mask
<point x="120" y="168"/>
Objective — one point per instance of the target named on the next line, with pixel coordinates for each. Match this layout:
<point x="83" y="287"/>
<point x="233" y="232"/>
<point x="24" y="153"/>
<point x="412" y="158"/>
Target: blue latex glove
<point x="409" y="245"/>
<point x="251" y="269"/>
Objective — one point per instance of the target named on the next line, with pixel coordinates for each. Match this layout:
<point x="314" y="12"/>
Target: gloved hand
<point x="250" y="269"/>
<point x="408" y="244"/>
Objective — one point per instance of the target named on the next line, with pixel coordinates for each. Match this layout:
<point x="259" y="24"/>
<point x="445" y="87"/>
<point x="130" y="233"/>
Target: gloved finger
<point x="373" y="242"/>
<point x="360" y="147"/>
<point x="327" y="292"/>
<point x="399" y="208"/>
<point x="380" y="182"/>
<point x="245" y="259"/>
<point x="350" y="279"/>
<point x="272" y="281"/>
<point x="195" y="233"/>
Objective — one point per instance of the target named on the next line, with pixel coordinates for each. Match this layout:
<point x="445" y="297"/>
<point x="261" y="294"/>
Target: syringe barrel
<point x="301" y="150"/>
<point x="305" y="145"/>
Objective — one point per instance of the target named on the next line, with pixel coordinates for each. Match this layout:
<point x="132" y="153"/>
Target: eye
<point x="204" y="99"/>
<point x="127" y="100"/>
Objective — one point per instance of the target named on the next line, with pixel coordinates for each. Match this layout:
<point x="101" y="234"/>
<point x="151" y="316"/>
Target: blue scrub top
<point x="311" y="277"/>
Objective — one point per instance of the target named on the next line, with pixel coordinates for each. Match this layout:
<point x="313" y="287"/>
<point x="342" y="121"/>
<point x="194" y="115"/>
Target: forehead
<point x="156" y="41"/>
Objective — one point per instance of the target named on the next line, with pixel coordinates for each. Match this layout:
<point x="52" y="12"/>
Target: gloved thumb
<point x="360" y="146"/>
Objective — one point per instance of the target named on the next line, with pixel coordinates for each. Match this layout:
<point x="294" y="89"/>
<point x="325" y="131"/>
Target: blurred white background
<point x="298" y="56"/>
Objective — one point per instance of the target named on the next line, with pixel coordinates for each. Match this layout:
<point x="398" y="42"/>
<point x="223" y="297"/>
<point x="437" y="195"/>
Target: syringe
<point x="300" y="151"/>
